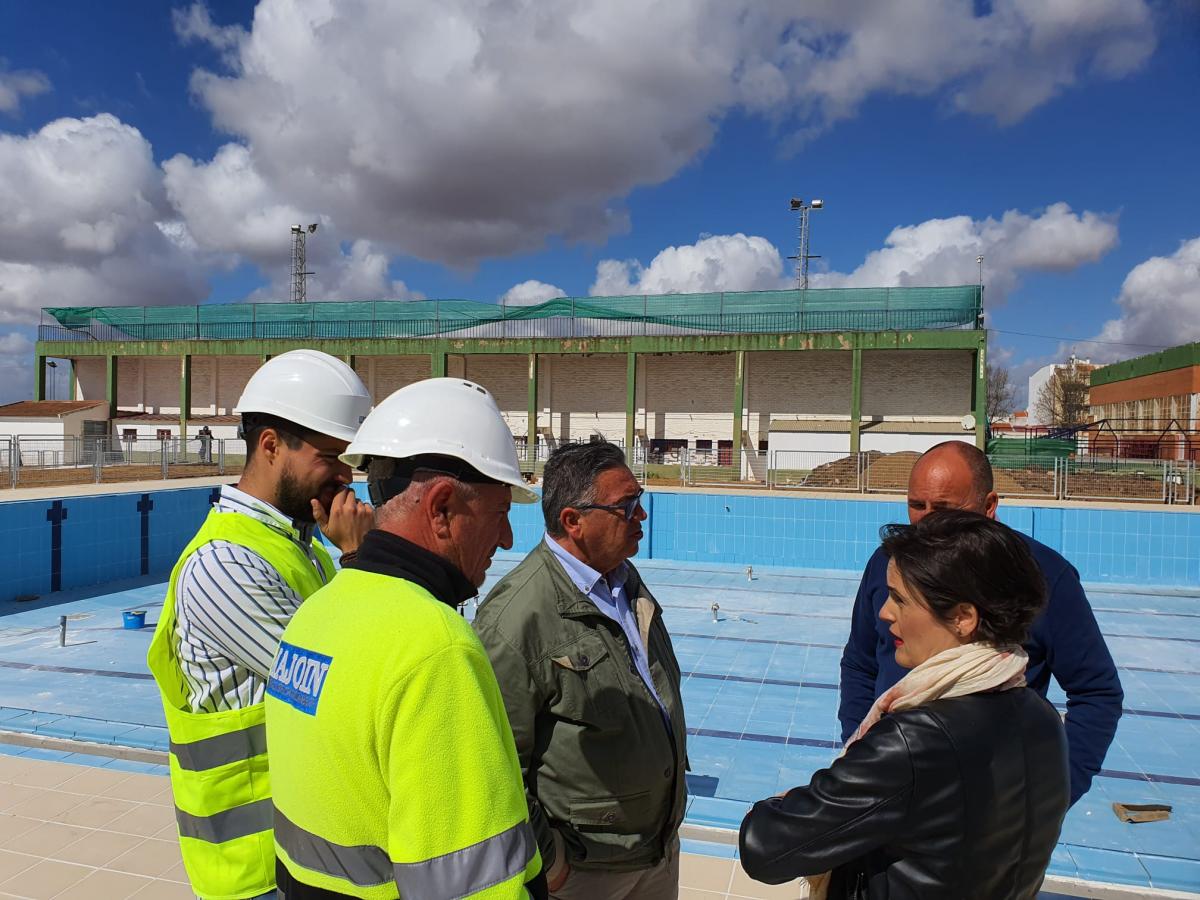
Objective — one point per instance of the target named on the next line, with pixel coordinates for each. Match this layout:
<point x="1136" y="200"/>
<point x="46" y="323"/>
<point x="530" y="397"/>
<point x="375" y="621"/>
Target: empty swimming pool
<point x="760" y="683"/>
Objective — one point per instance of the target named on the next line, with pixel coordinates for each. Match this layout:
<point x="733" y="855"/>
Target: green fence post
<point x="739" y="401"/>
<point x="979" y="396"/>
<point x="110" y="384"/>
<point x="532" y="410"/>
<point x="630" y="401"/>
<point x="855" y="400"/>
<point x="185" y="393"/>
<point x="39" y="381"/>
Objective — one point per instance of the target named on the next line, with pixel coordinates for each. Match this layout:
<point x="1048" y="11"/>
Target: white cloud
<point x="530" y="293"/>
<point x="230" y="208"/>
<point x="944" y="251"/>
<point x="1002" y="64"/>
<point x="1160" y="305"/>
<point x="196" y="24"/>
<point x="931" y="253"/>
<point x="359" y="272"/>
<point x="16" y="369"/>
<point x="17" y="84"/>
<point x="459" y="131"/>
<point x="724" y="262"/>
<point x="86" y="222"/>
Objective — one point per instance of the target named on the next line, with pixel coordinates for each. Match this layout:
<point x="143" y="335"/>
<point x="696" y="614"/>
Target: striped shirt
<point x="231" y="608"/>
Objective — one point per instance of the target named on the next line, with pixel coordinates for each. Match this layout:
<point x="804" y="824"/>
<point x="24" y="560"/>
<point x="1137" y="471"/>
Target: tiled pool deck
<point x="761" y="695"/>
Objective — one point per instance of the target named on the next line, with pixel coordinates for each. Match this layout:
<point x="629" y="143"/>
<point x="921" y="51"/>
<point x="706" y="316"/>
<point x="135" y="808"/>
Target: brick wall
<point x="1160" y="384"/>
<point x="579" y="396"/>
<point x="783" y="385"/>
<point x="506" y="376"/>
<point x="687" y="396"/>
<point x="916" y="383"/>
<point x="678" y="396"/>
<point x="395" y="372"/>
<point x="233" y="372"/>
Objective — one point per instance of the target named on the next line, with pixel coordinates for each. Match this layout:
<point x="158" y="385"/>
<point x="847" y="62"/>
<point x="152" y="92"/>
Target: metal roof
<point x="46" y="409"/>
<point x="842" y="426"/>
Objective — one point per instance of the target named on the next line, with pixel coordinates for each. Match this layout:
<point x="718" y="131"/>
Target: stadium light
<point x="299" y="256"/>
<point x="802" y="255"/>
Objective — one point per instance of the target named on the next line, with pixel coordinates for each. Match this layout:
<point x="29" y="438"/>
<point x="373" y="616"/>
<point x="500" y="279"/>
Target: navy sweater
<point x="1065" y="642"/>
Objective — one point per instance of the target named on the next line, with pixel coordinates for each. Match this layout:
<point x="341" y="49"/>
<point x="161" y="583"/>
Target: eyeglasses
<point x="629" y="508"/>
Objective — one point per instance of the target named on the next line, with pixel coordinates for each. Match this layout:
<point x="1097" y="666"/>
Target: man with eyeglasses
<point x="592" y="687"/>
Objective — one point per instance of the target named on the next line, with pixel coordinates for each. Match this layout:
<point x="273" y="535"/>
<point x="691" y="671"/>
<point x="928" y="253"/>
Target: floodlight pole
<point x="299" y="291"/>
<point x="979" y="316"/>
<point x="802" y="255"/>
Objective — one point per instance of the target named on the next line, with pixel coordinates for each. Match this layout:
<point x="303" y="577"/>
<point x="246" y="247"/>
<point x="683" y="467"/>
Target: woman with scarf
<point x="955" y="785"/>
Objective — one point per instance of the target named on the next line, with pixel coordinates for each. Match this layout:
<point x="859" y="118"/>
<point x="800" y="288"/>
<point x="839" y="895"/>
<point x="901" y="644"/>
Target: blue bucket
<point x="134" y="619"/>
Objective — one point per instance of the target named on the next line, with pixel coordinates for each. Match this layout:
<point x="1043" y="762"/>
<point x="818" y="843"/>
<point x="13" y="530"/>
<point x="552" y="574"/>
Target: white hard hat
<point x="310" y="388"/>
<point x="442" y="417"/>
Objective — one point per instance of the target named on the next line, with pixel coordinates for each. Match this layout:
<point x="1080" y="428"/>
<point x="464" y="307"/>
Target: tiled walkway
<point x="71" y="831"/>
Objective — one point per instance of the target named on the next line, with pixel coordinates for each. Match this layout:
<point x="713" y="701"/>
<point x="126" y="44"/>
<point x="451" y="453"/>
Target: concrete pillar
<point x="855" y="399"/>
<point x="185" y="392"/>
<point x="531" y="435"/>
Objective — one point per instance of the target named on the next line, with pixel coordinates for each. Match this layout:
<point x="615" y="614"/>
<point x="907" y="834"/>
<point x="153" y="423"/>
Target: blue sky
<point x="453" y="150"/>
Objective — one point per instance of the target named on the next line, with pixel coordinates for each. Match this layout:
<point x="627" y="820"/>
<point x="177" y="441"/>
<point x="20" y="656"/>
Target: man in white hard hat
<point x="393" y="767"/>
<point x="235" y="587"/>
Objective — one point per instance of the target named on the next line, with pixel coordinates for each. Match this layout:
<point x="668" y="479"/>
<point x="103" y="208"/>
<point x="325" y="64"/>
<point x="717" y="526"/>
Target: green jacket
<point x="601" y="769"/>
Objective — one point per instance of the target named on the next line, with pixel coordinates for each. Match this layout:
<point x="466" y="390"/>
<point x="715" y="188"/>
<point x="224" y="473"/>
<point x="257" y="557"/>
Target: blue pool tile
<point x="31" y="723"/>
<point x="8" y="714"/>
<point x="718" y="813"/>
<point x="1062" y="863"/>
<point x="1109" y="865"/>
<point x="46" y="755"/>
<point x="143" y="768"/>
<point x="147" y="737"/>
<point x="709" y="848"/>
<point x="1170" y="873"/>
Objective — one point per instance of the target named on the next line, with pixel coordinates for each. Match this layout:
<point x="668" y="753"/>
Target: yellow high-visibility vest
<point x="393" y="767"/>
<point x="219" y="760"/>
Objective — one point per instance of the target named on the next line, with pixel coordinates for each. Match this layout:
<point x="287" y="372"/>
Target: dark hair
<point x="253" y="424"/>
<point x="569" y="478"/>
<point x="976" y="461"/>
<point x="952" y="556"/>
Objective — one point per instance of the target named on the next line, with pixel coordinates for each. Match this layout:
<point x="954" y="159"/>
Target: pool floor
<point x="760" y="691"/>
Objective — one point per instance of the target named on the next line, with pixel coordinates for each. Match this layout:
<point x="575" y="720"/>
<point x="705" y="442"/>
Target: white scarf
<point x="975" y="668"/>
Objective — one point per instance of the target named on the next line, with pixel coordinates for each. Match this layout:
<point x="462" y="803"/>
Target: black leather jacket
<point x="962" y="798"/>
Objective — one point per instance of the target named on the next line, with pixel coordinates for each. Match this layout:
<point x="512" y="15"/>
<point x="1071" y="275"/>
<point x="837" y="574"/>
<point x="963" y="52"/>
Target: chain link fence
<point x="34" y="461"/>
<point x="815" y="470"/>
<point x="1116" y="478"/>
<point x="723" y="467"/>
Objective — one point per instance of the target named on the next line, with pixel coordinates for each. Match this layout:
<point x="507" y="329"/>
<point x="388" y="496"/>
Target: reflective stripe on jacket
<point x="219" y="760"/>
<point x="393" y="768"/>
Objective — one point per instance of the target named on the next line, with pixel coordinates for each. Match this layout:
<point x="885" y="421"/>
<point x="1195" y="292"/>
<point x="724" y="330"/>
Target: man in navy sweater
<point x="1065" y="642"/>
